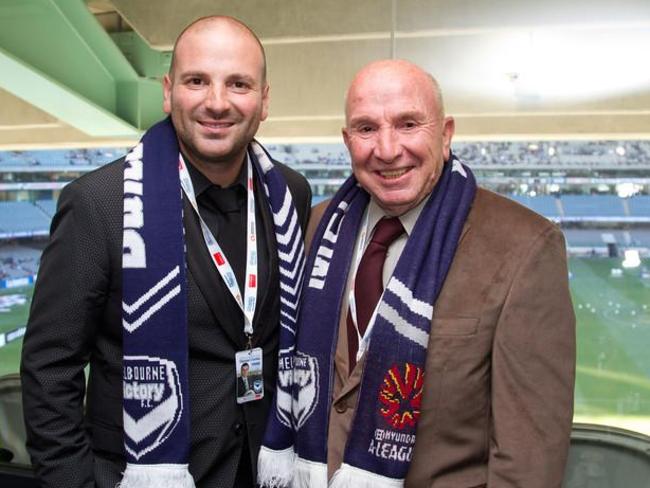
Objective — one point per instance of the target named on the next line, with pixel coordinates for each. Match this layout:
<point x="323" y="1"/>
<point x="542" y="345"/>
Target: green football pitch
<point x="613" y="317"/>
<point x="613" y="327"/>
<point x="14" y="309"/>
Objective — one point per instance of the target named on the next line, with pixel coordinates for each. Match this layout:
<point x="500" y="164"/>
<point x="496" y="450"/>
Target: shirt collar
<point x="408" y="220"/>
<point x="201" y="183"/>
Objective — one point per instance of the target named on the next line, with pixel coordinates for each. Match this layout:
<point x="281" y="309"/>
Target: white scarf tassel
<point x="348" y="476"/>
<point x="156" y="476"/>
<point x="275" y="468"/>
<point x="309" y="474"/>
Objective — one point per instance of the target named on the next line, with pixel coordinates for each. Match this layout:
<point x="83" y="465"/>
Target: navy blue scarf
<point x="392" y="381"/>
<point x="154" y="315"/>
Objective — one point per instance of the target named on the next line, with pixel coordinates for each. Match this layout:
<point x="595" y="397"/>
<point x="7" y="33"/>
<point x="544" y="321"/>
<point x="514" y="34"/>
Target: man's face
<point x="216" y="94"/>
<point x="396" y="136"/>
<point x="244" y="371"/>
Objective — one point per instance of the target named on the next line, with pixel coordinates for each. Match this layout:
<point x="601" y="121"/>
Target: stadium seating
<point x="607" y="457"/>
<point x="18" y="261"/>
<point x="594" y="237"/>
<point x="12" y="427"/>
<point x="592" y="206"/>
<point x="22" y="217"/>
<point x="639" y="206"/>
<point x="15" y="476"/>
<point x="544" y="205"/>
<point x="17" y="473"/>
<point x="574" y="154"/>
<point x="54" y="158"/>
<point x="47" y="206"/>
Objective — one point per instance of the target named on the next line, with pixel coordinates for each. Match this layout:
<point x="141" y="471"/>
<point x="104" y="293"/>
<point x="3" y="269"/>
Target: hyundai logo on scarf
<point x="133" y="249"/>
<point x="395" y="446"/>
<point x="152" y="402"/>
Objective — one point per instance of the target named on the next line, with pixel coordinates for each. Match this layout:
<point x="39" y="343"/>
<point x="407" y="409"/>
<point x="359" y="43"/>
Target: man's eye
<point x="195" y="81"/>
<point x="409" y="124"/>
<point x="240" y="85"/>
<point x="365" y="129"/>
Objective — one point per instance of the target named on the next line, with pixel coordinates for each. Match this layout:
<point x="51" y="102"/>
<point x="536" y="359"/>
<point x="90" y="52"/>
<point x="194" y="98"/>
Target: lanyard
<point x="219" y="259"/>
<point x="364" y="341"/>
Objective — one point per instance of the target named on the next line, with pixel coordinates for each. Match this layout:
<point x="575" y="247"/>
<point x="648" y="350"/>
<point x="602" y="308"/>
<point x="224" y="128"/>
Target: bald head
<point x="397" y="133"/>
<point x="216" y="94"/>
<point x="217" y="22"/>
<point x="398" y="71"/>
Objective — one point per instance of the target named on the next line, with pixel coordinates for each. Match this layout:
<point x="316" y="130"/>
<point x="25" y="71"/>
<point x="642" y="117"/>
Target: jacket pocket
<point x="456" y="326"/>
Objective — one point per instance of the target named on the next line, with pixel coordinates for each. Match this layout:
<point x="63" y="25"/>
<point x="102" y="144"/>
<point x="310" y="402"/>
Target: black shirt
<point x="225" y="211"/>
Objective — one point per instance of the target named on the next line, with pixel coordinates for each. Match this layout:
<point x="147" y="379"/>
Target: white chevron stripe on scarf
<point x="403" y="293"/>
<point x="402" y="326"/>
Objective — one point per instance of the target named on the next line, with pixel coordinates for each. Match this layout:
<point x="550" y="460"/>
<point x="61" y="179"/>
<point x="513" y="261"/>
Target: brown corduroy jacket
<point x="497" y="403"/>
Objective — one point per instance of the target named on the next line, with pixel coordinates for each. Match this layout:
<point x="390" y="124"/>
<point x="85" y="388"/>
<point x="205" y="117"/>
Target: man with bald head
<point x="163" y="274"/>
<point x="436" y="339"/>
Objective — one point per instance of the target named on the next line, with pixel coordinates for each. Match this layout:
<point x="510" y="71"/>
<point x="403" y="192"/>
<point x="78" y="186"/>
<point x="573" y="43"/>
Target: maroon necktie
<point x="368" y="283"/>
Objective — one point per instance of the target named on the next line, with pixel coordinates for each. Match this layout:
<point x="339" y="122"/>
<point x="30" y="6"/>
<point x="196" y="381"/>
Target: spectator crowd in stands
<point x="506" y="153"/>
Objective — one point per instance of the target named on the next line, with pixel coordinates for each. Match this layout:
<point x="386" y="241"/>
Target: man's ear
<point x="265" y="102"/>
<point x="167" y="94"/>
<point x="448" y="129"/>
<point x="346" y="137"/>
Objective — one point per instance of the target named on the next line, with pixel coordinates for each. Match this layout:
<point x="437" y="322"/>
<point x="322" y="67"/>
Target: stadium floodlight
<point x="627" y="189"/>
<point x="632" y="259"/>
<point x="603" y="188"/>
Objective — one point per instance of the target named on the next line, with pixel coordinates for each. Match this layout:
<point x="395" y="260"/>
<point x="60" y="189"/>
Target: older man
<point x="163" y="273"/>
<point x="436" y="340"/>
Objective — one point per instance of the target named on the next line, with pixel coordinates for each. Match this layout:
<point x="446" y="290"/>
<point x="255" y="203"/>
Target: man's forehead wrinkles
<point x="193" y="71"/>
<point x="383" y="114"/>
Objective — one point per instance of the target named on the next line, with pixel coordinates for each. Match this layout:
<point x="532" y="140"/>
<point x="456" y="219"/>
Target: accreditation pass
<point x="250" y="377"/>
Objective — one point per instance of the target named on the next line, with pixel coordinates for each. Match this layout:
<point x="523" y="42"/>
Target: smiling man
<point x="436" y="340"/>
<point x="163" y="274"/>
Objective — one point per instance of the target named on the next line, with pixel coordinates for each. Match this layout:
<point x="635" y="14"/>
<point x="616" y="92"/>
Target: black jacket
<point x="75" y="320"/>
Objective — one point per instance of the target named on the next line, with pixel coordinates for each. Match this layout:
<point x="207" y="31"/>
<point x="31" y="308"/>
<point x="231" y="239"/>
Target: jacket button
<point x="238" y="427"/>
<point x="341" y="406"/>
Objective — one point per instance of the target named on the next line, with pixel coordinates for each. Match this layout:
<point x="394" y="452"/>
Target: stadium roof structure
<point x="87" y="73"/>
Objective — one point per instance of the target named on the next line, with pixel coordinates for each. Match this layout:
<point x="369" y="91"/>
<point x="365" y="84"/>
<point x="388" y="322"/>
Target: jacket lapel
<point x="208" y="280"/>
<point x="268" y="306"/>
<point x="341" y="362"/>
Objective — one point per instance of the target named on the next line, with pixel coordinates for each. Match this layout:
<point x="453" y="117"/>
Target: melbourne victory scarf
<point x="154" y="303"/>
<point x="295" y="446"/>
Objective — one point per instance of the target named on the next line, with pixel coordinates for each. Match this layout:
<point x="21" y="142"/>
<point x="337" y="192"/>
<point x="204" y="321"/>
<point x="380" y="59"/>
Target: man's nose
<point x="388" y="147"/>
<point x="217" y="99"/>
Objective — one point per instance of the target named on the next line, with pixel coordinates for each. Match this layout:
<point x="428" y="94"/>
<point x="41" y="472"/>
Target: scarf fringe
<point x="309" y="474"/>
<point x="275" y="468"/>
<point x="156" y="476"/>
<point x="348" y="476"/>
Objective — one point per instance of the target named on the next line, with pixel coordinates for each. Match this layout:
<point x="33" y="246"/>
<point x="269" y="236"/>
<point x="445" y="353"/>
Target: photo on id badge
<point x="250" y="382"/>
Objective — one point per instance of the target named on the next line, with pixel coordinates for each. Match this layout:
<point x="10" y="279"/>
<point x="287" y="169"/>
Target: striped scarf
<point x="154" y="302"/>
<point x="392" y="382"/>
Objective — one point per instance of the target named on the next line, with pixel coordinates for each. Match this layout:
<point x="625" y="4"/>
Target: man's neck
<point x="223" y="173"/>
